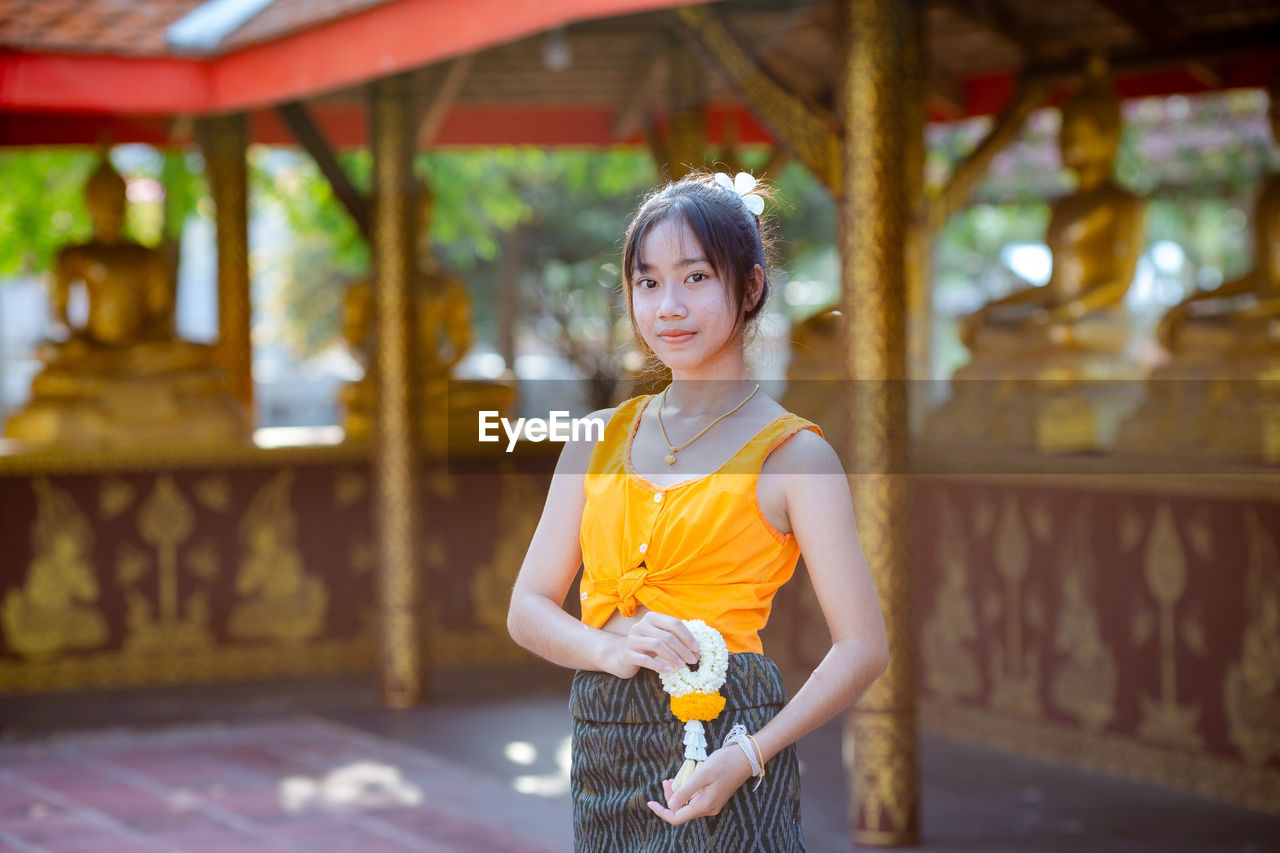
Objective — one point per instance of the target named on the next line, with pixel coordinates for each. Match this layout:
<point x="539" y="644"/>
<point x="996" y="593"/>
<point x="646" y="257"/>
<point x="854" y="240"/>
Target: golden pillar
<point x="687" y="116"/>
<point x="395" y="458"/>
<point x="224" y="140"/>
<point x="881" y="730"/>
<point x="919" y="237"/>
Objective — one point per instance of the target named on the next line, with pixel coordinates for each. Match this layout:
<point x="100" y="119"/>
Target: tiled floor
<point x="248" y="768"/>
<point x="296" y="784"/>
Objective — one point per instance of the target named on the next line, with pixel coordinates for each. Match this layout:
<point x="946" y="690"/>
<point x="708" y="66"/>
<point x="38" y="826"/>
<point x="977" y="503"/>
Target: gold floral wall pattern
<point x="160" y="618"/>
<point x="130" y="577"/>
<point x="1016" y="613"/>
<point x="1084" y="680"/>
<point x="948" y="660"/>
<point x="1121" y="628"/>
<point x="1251" y="692"/>
<point x="518" y="511"/>
<point x="114" y="497"/>
<point x="278" y="599"/>
<point x="55" y="610"/>
<point x="1164" y="566"/>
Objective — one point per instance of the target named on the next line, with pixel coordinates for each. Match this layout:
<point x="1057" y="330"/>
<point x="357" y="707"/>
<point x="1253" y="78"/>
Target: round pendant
<point x="670" y="459"/>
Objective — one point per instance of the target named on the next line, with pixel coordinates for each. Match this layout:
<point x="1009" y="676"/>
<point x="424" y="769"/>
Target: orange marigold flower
<point x="697" y="706"/>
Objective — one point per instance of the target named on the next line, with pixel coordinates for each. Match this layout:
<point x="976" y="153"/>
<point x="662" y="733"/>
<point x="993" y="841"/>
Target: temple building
<point x="1076" y="552"/>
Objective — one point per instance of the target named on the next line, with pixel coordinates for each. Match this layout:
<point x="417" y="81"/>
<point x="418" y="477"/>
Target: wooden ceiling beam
<point x="950" y="96"/>
<point x="640" y="99"/>
<point x="1153" y="22"/>
<point x="1223" y="46"/>
<point x="994" y="17"/>
<point x="1205" y="73"/>
<point x="778" y="159"/>
<point x="435" y="104"/>
<point x="968" y="173"/>
<point x="298" y="119"/>
<point x="808" y="131"/>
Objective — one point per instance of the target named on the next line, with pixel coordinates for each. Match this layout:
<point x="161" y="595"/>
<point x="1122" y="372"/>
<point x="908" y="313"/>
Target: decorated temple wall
<point x="1131" y="632"/>
<point x="1127" y="629"/>
<point x="1128" y="625"/>
<point x="258" y="565"/>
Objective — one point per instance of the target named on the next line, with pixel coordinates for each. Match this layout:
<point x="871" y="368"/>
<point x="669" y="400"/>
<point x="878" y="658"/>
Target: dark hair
<point x="734" y="239"/>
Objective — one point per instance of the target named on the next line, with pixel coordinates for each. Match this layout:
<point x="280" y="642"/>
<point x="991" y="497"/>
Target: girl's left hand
<point x="708" y="789"/>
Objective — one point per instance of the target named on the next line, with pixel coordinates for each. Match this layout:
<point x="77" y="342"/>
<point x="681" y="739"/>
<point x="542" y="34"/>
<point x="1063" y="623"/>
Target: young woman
<point x="696" y="504"/>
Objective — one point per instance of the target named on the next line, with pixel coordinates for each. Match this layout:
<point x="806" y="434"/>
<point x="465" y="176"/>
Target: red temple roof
<point x="117" y="27"/>
<point x="71" y="70"/>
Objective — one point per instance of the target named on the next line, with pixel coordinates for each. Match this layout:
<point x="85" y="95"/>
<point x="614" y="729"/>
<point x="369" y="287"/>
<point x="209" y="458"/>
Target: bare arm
<point x="820" y="511"/>
<point x="536" y="618"/>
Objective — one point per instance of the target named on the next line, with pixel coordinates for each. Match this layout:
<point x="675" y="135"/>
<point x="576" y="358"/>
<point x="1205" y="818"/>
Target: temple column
<point x="401" y="655"/>
<point x="224" y="141"/>
<point x="919" y="236"/>
<point x="880" y="732"/>
<point x="686" y="146"/>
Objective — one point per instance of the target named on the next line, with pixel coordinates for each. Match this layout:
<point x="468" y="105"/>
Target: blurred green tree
<point x="42" y="206"/>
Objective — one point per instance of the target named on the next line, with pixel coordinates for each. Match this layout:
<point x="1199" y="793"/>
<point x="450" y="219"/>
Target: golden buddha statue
<point x="443" y="335"/>
<point x="1218" y="390"/>
<point x="1034" y="351"/>
<point x="1209" y="323"/>
<point x="815" y="386"/>
<point x="123" y="376"/>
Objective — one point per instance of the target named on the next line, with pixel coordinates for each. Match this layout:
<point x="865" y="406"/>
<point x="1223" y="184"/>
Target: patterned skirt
<point x="626" y="741"/>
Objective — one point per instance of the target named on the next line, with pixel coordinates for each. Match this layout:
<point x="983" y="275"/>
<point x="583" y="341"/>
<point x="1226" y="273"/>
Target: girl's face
<point x="682" y="307"/>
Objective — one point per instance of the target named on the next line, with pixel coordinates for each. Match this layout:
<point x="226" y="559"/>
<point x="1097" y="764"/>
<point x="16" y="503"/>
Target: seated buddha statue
<point x="443" y="334"/>
<point x="1235" y="316"/>
<point x="1218" y="390"/>
<point x="122" y="375"/>
<point x="815" y="376"/>
<point x="1034" y="351"/>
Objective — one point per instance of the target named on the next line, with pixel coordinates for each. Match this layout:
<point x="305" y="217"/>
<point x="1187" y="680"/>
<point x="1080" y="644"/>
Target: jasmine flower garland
<point x="695" y="696"/>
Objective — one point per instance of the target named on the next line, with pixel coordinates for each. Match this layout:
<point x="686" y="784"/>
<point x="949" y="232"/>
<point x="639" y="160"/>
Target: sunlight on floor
<point x="521" y="752"/>
<point x="554" y="784"/>
<point x="363" y="785"/>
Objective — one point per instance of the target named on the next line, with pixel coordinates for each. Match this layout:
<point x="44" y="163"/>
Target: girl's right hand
<point x="654" y="641"/>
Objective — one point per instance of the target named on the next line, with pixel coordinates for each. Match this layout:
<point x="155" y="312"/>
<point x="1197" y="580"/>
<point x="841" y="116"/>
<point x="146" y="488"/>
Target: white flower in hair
<point x="741" y="186"/>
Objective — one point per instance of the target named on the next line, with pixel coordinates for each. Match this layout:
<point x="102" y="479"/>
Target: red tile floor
<point x="317" y="764"/>
<point x="300" y="784"/>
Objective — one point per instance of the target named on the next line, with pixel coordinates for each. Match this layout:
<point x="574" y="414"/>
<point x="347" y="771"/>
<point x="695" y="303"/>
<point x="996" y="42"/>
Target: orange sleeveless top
<point x="700" y="549"/>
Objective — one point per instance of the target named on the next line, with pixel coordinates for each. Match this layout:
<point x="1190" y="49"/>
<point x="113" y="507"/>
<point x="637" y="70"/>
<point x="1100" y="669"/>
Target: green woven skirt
<point x="626" y="741"/>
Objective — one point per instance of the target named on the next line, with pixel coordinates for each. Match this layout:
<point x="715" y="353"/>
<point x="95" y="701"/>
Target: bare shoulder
<point x="801" y="475"/>
<point x="601" y="415"/>
<point x="576" y="453"/>
<point x="805" y="452"/>
<point x="767" y="407"/>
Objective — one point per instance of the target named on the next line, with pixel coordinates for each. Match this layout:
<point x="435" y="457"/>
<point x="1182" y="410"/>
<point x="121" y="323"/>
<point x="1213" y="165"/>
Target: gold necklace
<point x="670" y="458"/>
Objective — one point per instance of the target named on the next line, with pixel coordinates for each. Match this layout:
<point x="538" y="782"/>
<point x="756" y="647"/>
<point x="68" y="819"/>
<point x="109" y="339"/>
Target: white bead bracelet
<point x="738" y="734"/>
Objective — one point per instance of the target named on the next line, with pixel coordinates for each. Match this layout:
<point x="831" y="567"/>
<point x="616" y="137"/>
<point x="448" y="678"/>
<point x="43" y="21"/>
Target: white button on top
<point x="657" y="498"/>
<point x="644" y="546"/>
